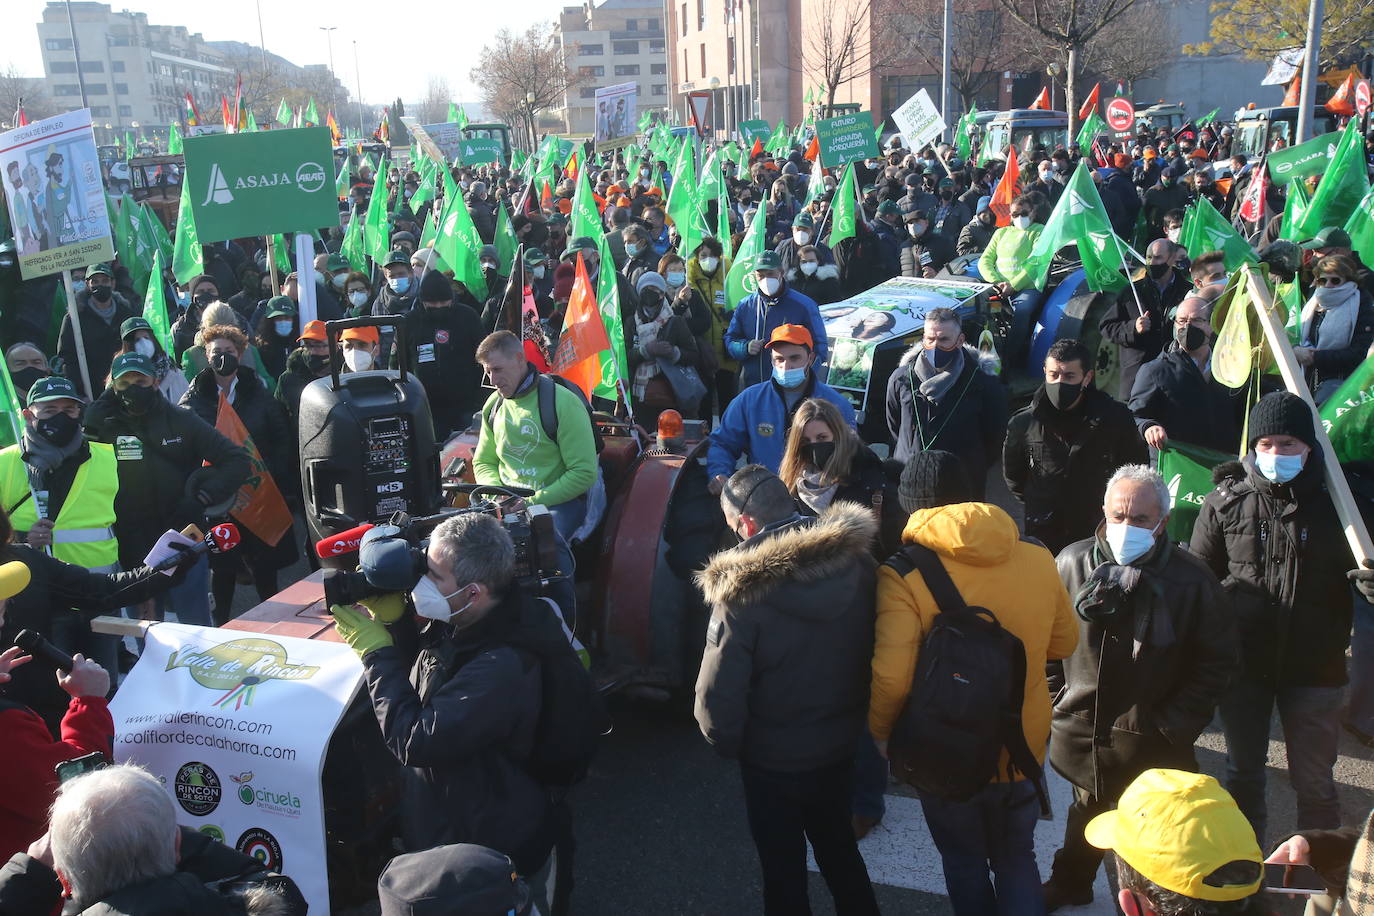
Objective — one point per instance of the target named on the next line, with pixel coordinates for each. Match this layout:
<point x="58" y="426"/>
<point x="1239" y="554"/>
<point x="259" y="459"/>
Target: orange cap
<point x="1149" y="153"/>
<point x="564" y="206"/>
<point x="622" y="201"/>
<point x="313" y="330"/>
<point x="367" y="333"/>
<point x="793" y="334"/>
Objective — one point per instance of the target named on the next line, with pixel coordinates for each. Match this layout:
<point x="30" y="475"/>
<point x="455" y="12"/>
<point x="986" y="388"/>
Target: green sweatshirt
<point x="514" y="451"/>
<point x="1004" y="261"/>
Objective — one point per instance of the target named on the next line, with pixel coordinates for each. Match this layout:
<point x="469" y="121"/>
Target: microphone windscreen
<point x="14" y="578"/>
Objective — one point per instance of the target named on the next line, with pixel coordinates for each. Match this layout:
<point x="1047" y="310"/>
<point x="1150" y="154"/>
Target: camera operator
<point x="462" y="714"/>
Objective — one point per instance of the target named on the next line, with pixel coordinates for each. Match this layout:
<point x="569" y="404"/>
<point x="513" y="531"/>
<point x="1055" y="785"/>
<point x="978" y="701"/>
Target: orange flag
<point x="258" y="505"/>
<point x="1006" y="189"/>
<point x="1342" y="103"/>
<point x="1042" y="100"/>
<point x="226" y="114"/>
<point x="756" y="149"/>
<point x="813" y="149"/>
<point x="1291" y="97"/>
<point x="577" y="357"/>
<point x="1090" y="105"/>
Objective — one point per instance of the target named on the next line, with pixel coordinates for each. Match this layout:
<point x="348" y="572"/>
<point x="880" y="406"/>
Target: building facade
<point x="613" y="42"/>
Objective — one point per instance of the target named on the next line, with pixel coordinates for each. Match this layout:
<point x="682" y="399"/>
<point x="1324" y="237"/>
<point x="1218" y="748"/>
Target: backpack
<point x="966" y="696"/>
<point x="548" y="408"/>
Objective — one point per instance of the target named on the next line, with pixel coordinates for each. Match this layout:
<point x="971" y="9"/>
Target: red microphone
<point x="219" y="539"/>
<point x="342" y="543"/>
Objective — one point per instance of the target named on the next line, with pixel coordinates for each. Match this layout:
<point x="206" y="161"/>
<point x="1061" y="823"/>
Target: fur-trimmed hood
<point x="802" y="554"/>
<point x="823" y="272"/>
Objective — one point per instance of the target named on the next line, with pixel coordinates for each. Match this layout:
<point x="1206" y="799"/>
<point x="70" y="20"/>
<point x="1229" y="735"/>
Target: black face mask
<point x="316" y="362"/>
<point x="1159" y="271"/>
<point x="206" y="298"/>
<point x="1190" y="338"/>
<point x="25" y="378"/>
<point x="224" y="364"/>
<point x="137" y="399"/>
<point x="818" y="454"/>
<point x="59" y="429"/>
<point x="946" y="193"/>
<point x="101" y="294"/>
<point x="1062" y="394"/>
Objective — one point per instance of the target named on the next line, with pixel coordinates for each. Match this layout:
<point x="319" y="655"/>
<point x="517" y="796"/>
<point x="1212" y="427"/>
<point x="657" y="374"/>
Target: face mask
<point x="101" y="294"/>
<point x="789" y="378"/>
<point x="1060" y="166"/>
<point x="78" y="286"/>
<point x="358" y="297"/>
<point x="946" y="193"/>
<point x="1129" y="543"/>
<point x="632" y="248"/>
<point x="339" y="280"/>
<point x="809" y="267"/>
<point x="224" y="364"/>
<point x="1159" y="271"/>
<point x="1173" y="234"/>
<point x="137" y="399"/>
<point x="488" y="266"/>
<point x="283" y="327"/>
<point x="709" y="265"/>
<point x="769" y="286"/>
<point x="1021" y="222"/>
<point x="1327" y="294"/>
<point x="59" y="429"/>
<point x="316" y="362"/>
<point x="801" y="238"/>
<point x="144" y="347"/>
<point x="205" y="298"/>
<point x="1045" y="175"/>
<point x="917" y="230"/>
<point x="432" y="604"/>
<point x="539" y="272"/>
<point x="400" y="285"/>
<point x="643" y="173"/>
<point x="24" y="379"/>
<point x="1063" y="394"/>
<point x="358" y="360"/>
<point x="183" y="297"/>
<point x="675" y="278"/>
<point x="1190" y="338"/>
<point x="940" y="358"/>
<point x="818" y="454"/>
<point x="319" y="278"/>
<point x="1279" y="468"/>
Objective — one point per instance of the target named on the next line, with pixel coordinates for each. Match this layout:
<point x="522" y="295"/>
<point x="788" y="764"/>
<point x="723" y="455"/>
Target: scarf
<point x="41" y="457"/>
<point x="646" y="332"/>
<point x="1359" y="886"/>
<point x="1338" y="318"/>
<point x="935" y="383"/>
<point x="814" y="492"/>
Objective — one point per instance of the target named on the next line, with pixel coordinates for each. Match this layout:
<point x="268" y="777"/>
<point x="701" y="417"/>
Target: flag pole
<point x="1127" y="268"/>
<point x="76" y="333"/>
<point x="272" y="265"/>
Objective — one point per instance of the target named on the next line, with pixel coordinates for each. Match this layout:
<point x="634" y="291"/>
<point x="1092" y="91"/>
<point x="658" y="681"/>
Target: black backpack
<point x="548" y="409"/>
<point x="966" y="696"/>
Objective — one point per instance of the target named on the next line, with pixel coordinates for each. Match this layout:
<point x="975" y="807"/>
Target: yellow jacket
<point x="712" y="290"/>
<point x="83" y="532"/>
<point x="992" y="567"/>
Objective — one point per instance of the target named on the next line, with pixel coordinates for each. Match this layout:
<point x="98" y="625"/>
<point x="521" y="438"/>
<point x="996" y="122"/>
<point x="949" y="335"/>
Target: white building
<point x="613" y="42"/>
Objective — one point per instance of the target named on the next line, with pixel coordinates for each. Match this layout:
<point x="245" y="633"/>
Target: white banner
<point x="615" y="121"/>
<point x="235" y="725"/>
<point x="919" y="121"/>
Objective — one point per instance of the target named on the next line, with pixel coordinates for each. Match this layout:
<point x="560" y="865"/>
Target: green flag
<point x="1294" y="206"/>
<point x="452" y="114"/>
<point x="506" y="244"/>
<point x="376" y="237"/>
<point x="1360" y="228"/>
<point x="740" y="282"/>
<point x="311" y="116"/>
<point x="251" y="125"/>
<point x="963" y="138"/>
<point x="155" y="305"/>
<point x="1092" y="126"/>
<point x="842" y="212"/>
<point x="462" y="118"/>
<point x="151" y="227"/>
<point x="12" y="430"/>
<point x="1204" y="229"/>
<point x="283" y="114"/>
<point x="456" y="242"/>
<point x="1080" y="219"/>
<point x="614" y="366"/>
<point x="352" y="247"/>
<point x="187" y="261"/>
<point x="341" y="181"/>
<point x="1187" y="470"/>
<point x="174" y="141"/>
<point x="1348" y="415"/>
<point x="778" y="140"/>
<point x="1208" y="118"/>
<point x="722" y="218"/>
<point x="683" y="209"/>
<point x="281" y="255"/>
<point x="584" y="219"/>
<point x="646" y="120"/>
<point x="1342" y="187"/>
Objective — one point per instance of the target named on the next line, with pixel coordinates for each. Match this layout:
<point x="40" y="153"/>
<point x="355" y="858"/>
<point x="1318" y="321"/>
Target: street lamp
<point x="529" y="117"/>
<point x="329" y="41"/>
<point x="714" y="84"/>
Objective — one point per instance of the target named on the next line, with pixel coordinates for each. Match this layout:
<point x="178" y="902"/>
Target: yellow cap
<point x="1177" y="828"/>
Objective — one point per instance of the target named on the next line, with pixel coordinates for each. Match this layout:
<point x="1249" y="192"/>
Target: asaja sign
<point x="261" y="183"/>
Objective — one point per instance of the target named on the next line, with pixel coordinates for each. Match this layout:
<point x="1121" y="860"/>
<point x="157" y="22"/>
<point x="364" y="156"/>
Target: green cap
<point x="583" y="243"/>
<point x="1330" y="237"/>
<point x="52" y="388"/>
<point x="132" y="362"/>
<point x="337" y="262"/>
<point x="887" y="207"/>
<point x="534" y="257"/>
<point x="280" y="305"/>
<point x="101" y="268"/>
<point x="134" y="324"/>
<point x="803" y="220"/>
<point x="396" y="257"/>
<point x="768" y="260"/>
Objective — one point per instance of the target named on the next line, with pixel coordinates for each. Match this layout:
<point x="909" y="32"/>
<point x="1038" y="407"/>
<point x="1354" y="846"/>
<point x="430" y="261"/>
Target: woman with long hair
<point x="1337" y="326"/>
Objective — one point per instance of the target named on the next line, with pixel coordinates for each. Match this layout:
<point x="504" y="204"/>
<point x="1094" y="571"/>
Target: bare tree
<point x="1065" y="28"/>
<point x="1142" y="42"/>
<point x="844" y="46"/>
<point x="982" y="43"/>
<point x="15" y="88"/>
<point x="433" y="108"/>
<point x="523" y="74"/>
<point x="266" y="82"/>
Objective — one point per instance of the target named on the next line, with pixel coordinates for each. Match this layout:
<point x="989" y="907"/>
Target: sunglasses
<point x="1330" y="281"/>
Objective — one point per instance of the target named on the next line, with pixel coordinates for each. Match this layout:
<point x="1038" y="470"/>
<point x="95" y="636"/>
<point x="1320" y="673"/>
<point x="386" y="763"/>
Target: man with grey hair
<point x="1156" y="652"/>
<point x="461" y="713"/>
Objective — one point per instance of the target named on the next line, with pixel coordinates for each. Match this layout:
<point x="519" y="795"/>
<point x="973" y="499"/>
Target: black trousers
<point x="786" y="810"/>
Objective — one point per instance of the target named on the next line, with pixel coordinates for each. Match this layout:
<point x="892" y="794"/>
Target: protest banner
<point x="55" y="195"/>
<point x="446" y="138"/>
<point x="259" y="184"/>
<point x="235" y="726"/>
<point x="846" y="139"/>
<point x="749" y="131"/>
<point x="1310" y="158"/>
<point x="919" y="121"/>
<point x="477" y="150"/>
<point x="614" y="125"/>
<point x="1187" y="470"/>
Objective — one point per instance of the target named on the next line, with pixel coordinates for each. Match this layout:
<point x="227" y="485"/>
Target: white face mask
<point x="358" y="297"/>
<point x="432" y="604"/>
<point x="709" y="264"/>
<point x="1129" y="542"/>
<point x="809" y="267"/>
<point x="801" y="237"/>
<point x="144" y="347"/>
<point x="1021" y="222"/>
<point x="1173" y="234"/>
<point x="358" y="360"/>
<point x="769" y="286"/>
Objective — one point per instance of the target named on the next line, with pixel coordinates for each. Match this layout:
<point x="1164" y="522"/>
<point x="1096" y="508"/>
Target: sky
<point x="396" y="57"/>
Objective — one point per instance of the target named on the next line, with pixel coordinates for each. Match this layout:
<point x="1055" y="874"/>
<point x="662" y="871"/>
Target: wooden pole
<point x="75" y="320"/>
<point x="1356" y="535"/>
<point x="272" y="265"/>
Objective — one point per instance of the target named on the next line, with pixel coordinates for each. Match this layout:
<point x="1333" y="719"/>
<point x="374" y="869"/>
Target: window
<point x="654" y="25"/>
<point x="121" y="88"/>
<point x="684" y="18"/>
<point x="62" y="66"/>
<point x="97" y="89"/>
<point x="119" y="41"/>
<point x="625" y="47"/>
<point x="658" y="69"/>
<point x="58" y="44"/>
<point x="657" y="46"/>
<point x="587" y="92"/>
<point x="686" y="75"/>
<point x="164" y="69"/>
<point x="627" y="70"/>
<point x="660" y="89"/>
<point x="590" y="50"/>
<point x="100" y="111"/>
<point x="592" y="71"/>
<point x="126" y="111"/>
<point x="92" y="66"/>
<point x="703" y="61"/>
<point x="632" y="25"/>
<point x="116" y="66"/>
<point x="701" y="15"/>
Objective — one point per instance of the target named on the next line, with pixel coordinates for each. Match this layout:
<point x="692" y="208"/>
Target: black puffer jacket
<point x="1281" y="555"/>
<point x="1124" y="709"/>
<point x="100" y="339"/>
<point x="785" y="676"/>
<point x="1058" y="463"/>
<point x="932" y="250"/>
<point x="443" y="355"/>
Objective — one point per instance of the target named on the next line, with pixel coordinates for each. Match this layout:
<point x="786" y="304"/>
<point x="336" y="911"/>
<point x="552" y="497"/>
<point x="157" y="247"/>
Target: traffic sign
<point x="1362" y="96"/>
<point x="1120" y="115"/>
<point x="699" y="106"/>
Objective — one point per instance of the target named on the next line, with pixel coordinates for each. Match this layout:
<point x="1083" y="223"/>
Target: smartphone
<point x="70" y="769"/>
<point x="1292" y="879"/>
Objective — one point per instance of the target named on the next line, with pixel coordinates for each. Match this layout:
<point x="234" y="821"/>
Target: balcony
<point x="637" y="36"/>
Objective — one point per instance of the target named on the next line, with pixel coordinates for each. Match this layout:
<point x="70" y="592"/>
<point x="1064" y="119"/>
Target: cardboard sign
<point x="919" y="120"/>
<point x="846" y="139"/>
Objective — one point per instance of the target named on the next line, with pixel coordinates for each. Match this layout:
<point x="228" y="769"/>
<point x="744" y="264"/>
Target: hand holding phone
<point x="1292" y="879"/>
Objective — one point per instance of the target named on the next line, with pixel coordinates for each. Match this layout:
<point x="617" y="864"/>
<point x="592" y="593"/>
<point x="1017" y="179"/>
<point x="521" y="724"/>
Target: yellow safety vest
<point x="83" y="532"/>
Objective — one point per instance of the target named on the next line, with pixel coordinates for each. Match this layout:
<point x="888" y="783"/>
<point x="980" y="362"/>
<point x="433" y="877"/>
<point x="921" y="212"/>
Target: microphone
<point x="344" y="542"/>
<point x="221" y="538"/>
<point x="35" y="645"/>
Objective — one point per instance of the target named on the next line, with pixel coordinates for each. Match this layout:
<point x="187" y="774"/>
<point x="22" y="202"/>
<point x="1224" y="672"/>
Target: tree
<point x="14" y="87"/>
<point x="433" y="108"/>
<point x="1065" y="28"/>
<point x="1144" y="40"/>
<point x="1260" y="29"/>
<point x="267" y="80"/>
<point x="844" y="46"/>
<point x="522" y="74"/>
<point x="399" y="135"/>
<point x="981" y="43"/>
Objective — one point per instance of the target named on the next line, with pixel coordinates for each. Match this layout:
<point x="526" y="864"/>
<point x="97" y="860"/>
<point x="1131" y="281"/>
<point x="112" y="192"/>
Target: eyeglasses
<point x="1330" y="281"/>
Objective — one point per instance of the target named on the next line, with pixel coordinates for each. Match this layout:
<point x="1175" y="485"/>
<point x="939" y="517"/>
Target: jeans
<point x="190" y="600"/>
<point x="788" y="809"/>
<point x="1311" y="732"/>
<point x="1025" y="305"/>
<point x="993" y="831"/>
<point x="567" y="518"/>
<point x="1359" y="714"/>
<point x="870" y="780"/>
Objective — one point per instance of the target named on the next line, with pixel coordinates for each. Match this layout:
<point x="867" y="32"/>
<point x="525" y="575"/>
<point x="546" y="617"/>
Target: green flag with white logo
<point x="174" y="141"/>
<point x="1080" y="219"/>
<point x="1348" y="415"/>
<point x="1187" y="470"/>
<point x="1204" y="229"/>
<point x="614" y="366"/>
<point x="740" y="282"/>
<point x="842" y="209"/>
<point x="584" y="219"/>
<point x="506" y="243"/>
<point x="283" y="113"/>
<point x="1092" y="126"/>
<point x="457" y="243"/>
<point x="352" y="246"/>
<point x="376" y="234"/>
<point x="187" y="260"/>
<point x="1294" y="205"/>
<point x="155" y="305"/>
<point x="1360" y="228"/>
<point x="1342" y="188"/>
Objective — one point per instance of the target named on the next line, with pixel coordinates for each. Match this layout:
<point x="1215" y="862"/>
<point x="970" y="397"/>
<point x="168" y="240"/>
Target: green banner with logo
<point x="1187" y="469"/>
<point x="1310" y="158"/>
<point x="846" y="139"/>
<point x="476" y="150"/>
<point x="243" y="185"/>
<point x="750" y="131"/>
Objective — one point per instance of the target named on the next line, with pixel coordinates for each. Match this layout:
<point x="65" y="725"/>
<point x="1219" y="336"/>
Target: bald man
<point x="1138" y="323"/>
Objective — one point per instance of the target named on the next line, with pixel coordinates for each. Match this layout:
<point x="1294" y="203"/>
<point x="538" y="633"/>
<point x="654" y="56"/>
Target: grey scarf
<point x="816" y="494"/>
<point x="935" y="383"/>
<point x="41" y="457"/>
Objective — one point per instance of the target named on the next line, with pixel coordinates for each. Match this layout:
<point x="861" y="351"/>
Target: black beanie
<point x="931" y="479"/>
<point x="1281" y="413"/>
<point x="435" y="287"/>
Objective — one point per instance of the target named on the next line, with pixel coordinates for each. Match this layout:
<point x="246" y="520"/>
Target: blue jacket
<point x="756" y="424"/>
<point x="747" y="324"/>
